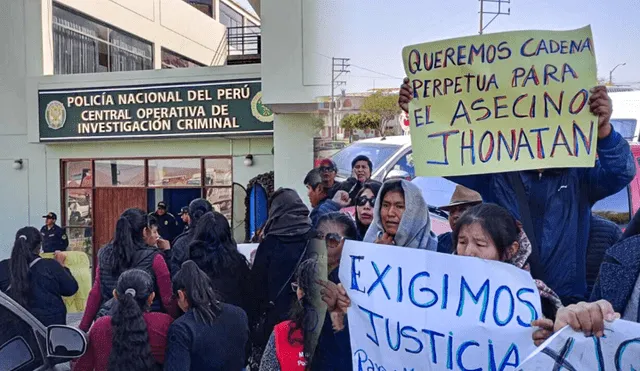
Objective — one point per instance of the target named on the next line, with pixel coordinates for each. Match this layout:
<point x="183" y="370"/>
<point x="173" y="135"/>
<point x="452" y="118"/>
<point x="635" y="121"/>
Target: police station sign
<point x="154" y="111"/>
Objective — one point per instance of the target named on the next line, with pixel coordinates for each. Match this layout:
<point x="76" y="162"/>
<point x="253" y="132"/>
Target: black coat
<point x="48" y="283"/>
<point x="275" y="260"/>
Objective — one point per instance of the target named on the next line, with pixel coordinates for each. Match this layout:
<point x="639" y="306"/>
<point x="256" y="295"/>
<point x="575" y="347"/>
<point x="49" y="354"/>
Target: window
<point x="175" y="60"/>
<point x="626" y="127"/>
<point x="84" y="45"/>
<point x="379" y="154"/>
<point x="176" y="181"/>
<point x="204" y="6"/>
<point x="19" y="349"/>
<point x="405" y="163"/>
<point x="615" y="208"/>
<point x="231" y="18"/>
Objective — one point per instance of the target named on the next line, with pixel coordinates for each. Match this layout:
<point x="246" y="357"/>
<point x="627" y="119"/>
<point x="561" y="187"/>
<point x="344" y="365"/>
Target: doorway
<point x="109" y="203"/>
<point x="175" y="198"/>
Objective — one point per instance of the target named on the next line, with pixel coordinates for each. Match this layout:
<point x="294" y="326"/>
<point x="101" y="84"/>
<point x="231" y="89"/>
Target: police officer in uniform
<point x="54" y="238"/>
<point x="184" y="215"/>
<point x="167" y="224"/>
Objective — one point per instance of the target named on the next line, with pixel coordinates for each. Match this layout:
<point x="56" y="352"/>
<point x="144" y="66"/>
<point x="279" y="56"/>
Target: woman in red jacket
<point x="288" y="347"/>
<point x="132" y="339"/>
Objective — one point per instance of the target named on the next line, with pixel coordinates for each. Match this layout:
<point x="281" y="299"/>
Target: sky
<point x="372" y="33"/>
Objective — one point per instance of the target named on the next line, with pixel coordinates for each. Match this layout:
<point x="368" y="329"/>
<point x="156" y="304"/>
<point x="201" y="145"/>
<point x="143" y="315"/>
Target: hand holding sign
<point x="600" y="105"/>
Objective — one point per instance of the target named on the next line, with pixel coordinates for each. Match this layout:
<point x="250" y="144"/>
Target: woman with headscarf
<point x="286" y="236"/>
<point x="401" y="217"/>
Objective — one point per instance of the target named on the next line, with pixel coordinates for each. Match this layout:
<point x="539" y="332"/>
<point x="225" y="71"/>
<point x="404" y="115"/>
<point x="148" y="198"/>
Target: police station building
<point x="98" y="115"/>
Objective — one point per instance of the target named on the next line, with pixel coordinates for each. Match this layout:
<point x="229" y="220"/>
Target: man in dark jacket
<point x="54" y="238"/>
<point x="602" y="235"/>
<point x="361" y="168"/>
<point x="319" y="199"/>
<point x="559" y="200"/>
<point x="167" y="224"/>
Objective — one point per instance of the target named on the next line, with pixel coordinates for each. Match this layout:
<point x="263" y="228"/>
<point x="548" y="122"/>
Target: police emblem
<point x="166" y="222"/>
<point x="259" y="110"/>
<point x="55" y="114"/>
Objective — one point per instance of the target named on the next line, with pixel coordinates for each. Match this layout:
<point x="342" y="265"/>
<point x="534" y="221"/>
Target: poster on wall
<point x="154" y="111"/>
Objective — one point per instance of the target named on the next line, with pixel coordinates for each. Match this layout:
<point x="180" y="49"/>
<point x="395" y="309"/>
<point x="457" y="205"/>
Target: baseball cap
<point x="184" y="210"/>
<point x="328" y="163"/>
<point x="162" y="205"/>
<point x="51" y="216"/>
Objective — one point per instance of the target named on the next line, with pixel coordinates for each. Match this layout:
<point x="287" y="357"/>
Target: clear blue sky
<point x="373" y="32"/>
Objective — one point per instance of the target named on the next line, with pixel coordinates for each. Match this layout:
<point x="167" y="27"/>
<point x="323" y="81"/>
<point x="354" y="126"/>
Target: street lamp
<point x="611" y="72"/>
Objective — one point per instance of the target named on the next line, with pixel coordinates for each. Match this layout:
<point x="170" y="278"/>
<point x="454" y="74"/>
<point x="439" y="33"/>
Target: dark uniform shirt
<point x="167" y="226"/>
<point x="54" y="239"/>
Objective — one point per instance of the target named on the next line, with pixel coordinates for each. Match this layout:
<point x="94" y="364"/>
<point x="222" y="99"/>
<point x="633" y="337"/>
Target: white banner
<point x="567" y="350"/>
<point x="419" y="310"/>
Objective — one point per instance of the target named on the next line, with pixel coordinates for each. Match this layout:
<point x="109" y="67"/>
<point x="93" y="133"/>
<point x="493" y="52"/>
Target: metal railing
<point x="244" y="41"/>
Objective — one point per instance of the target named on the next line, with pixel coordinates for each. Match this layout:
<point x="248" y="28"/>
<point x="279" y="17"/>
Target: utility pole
<point x="496" y="10"/>
<point x="338" y="67"/>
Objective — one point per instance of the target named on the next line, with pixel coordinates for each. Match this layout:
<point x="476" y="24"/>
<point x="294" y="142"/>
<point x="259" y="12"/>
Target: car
<point x="392" y="158"/>
<point x="26" y="344"/>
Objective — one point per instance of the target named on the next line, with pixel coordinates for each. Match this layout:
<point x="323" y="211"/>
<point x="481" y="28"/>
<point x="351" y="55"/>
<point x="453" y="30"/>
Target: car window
<point x="405" y="163"/>
<point x="615" y="208"/>
<point x="377" y="153"/>
<point x="626" y="127"/>
<point x="15" y="354"/>
<point x="12" y="327"/>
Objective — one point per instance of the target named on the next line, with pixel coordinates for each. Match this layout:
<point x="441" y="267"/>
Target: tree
<point x="317" y="122"/>
<point x="383" y="106"/>
<point x="360" y="121"/>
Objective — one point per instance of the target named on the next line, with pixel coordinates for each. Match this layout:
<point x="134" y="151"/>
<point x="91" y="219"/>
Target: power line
<point x="364" y="68"/>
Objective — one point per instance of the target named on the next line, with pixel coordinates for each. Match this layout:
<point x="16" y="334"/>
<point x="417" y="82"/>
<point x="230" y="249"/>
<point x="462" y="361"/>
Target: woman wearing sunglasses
<point x="365" y="201"/>
<point x="334" y="228"/>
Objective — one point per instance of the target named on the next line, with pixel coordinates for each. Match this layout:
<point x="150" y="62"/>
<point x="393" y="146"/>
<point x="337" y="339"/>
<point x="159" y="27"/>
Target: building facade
<point x="102" y="115"/>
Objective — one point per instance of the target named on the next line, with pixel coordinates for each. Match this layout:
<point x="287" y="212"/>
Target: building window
<point x="231" y="18"/>
<point x="100" y="189"/>
<point x="175" y="60"/>
<point x="205" y="6"/>
<point x="84" y="45"/>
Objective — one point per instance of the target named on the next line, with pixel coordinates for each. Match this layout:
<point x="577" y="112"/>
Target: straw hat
<point x="463" y="196"/>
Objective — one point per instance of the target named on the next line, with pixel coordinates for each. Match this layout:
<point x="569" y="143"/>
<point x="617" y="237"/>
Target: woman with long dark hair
<point x="126" y="251"/>
<point x="289" y="346"/>
<point x="180" y="246"/>
<point x="365" y="202"/>
<point x="210" y="335"/>
<point x="287" y="234"/>
<point x="132" y="338"/>
<point x="216" y="253"/>
<point x="37" y="284"/>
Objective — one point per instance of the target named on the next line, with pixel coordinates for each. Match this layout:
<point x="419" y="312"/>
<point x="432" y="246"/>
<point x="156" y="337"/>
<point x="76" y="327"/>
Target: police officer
<point x="184" y="214"/>
<point x="167" y="224"/>
<point x="54" y="238"/>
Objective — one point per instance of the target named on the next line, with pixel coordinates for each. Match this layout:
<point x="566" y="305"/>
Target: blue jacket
<point x="618" y="274"/>
<point x="602" y="235"/>
<point x="560" y="202"/>
<point x="325" y="206"/>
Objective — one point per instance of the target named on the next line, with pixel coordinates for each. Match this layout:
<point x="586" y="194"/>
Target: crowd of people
<point x="198" y="304"/>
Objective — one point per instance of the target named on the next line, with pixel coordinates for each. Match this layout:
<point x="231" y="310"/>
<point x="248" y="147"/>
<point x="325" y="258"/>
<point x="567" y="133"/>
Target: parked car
<point x="26" y="344"/>
<point x="392" y="158"/>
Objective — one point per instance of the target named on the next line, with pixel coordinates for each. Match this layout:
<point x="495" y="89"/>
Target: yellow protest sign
<point x="502" y="102"/>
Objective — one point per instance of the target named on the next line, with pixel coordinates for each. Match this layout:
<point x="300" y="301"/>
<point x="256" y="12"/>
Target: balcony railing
<point x="244" y="45"/>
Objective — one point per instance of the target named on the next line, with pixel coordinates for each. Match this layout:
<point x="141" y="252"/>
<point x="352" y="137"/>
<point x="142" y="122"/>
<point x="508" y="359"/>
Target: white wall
<point x="290" y="29"/>
<point x="172" y="24"/>
<point x="293" y="151"/>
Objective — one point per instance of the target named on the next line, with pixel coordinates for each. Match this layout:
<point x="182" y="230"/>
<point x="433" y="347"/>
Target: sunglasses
<point x="326" y="169"/>
<point x="332" y="239"/>
<point x="294" y="286"/>
<point x="363" y="200"/>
